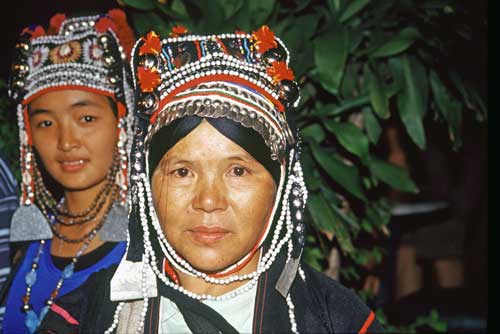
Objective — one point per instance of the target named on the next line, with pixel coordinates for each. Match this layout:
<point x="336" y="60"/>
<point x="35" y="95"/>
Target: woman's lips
<point x="73" y="165"/>
<point x="208" y="235"/>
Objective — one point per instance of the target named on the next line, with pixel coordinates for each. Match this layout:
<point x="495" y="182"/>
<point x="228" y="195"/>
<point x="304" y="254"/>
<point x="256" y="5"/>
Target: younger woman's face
<point x="213" y="199"/>
<point x="75" y="134"/>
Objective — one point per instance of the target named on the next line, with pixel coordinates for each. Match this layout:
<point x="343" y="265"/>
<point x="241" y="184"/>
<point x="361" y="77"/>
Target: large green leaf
<point x="330" y="54"/>
<point x="175" y="9"/>
<point x="301" y="4"/>
<point x="311" y="174"/>
<point x="412" y="100"/>
<point x="307" y="92"/>
<point x="297" y="38"/>
<point x="313" y="132"/>
<point x="349" y="87"/>
<point x="297" y="35"/>
<point x="346" y="176"/>
<point x="334" y="5"/>
<point x="141" y="4"/>
<point x="335" y="203"/>
<point x="448" y="106"/>
<point x="353" y="8"/>
<point x="398" y="43"/>
<point x="347" y="105"/>
<point x="213" y="16"/>
<point x="326" y="220"/>
<point x="230" y="7"/>
<point x="146" y="21"/>
<point x="372" y="125"/>
<point x="259" y="11"/>
<point x="355" y="38"/>
<point x="392" y="175"/>
<point x="378" y="95"/>
<point x="349" y="136"/>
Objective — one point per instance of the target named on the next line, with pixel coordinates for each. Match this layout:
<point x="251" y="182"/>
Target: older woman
<point x="72" y="86"/>
<point x="217" y="231"/>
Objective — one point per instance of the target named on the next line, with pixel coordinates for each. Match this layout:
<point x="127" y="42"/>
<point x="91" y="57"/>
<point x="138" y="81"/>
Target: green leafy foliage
<point x="392" y="175"/>
<point x="412" y="101"/>
<point x="397" y="44"/>
<point x="344" y="174"/>
<point x="330" y="54"/>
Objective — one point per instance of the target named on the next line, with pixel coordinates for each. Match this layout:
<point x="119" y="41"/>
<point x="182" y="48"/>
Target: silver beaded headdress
<point x="242" y="77"/>
<point x="86" y="53"/>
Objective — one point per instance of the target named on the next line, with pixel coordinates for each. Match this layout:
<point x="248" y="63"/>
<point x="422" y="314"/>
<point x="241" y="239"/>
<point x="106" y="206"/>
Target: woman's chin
<point x="210" y="265"/>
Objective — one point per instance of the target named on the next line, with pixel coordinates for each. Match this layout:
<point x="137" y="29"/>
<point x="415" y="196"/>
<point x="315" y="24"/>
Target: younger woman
<point x="71" y="84"/>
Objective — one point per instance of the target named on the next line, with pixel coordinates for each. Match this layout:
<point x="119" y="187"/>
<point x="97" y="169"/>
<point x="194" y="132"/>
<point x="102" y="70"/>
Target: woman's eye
<point x="44" y="124"/>
<point x="181" y="172"/>
<point x="238" y="171"/>
<point x="88" y="119"/>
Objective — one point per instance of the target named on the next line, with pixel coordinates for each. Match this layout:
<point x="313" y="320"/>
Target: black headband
<point x="247" y="138"/>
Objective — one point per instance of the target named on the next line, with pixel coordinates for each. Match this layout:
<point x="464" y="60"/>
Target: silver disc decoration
<point x="28" y="224"/>
<point x="115" y="224"/>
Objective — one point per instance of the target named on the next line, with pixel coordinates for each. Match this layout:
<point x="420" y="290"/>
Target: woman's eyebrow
<point x="240" y="158"/>
<point x="175" y="160"/>
<point x="37" y="111"/>
<point x="84" y="103"/>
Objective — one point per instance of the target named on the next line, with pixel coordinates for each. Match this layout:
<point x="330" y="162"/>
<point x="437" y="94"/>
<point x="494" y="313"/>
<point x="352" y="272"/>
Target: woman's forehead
<point x="206" y="143"/>
<point x="67" y="97"/>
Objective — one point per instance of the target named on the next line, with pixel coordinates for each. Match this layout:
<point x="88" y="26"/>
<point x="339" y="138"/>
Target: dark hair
<point x="113" y="106"/>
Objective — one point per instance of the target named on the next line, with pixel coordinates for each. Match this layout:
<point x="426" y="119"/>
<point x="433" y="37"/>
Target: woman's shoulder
<point x="347" y="312"/>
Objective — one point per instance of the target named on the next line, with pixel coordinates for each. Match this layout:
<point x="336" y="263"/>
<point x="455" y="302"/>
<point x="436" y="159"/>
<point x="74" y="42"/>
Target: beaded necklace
<point x="32" y="320"/>
<point x="63" y="216"/>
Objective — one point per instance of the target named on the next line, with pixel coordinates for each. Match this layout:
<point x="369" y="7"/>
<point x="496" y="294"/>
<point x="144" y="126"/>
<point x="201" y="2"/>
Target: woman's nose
<point x="210" y="195"/>
<point x="68" y="138"/>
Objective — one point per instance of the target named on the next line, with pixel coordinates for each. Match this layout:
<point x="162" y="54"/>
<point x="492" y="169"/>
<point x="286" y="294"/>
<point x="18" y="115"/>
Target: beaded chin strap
<point x="243" y="77"/>
<point x="86" y="53"/>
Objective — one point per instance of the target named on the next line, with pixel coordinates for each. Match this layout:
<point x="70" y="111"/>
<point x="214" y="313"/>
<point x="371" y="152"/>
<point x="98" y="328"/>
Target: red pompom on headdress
<point x="103" y="24"/>
<point x="55" y="23"/>
<point x="178" y="30"/>
<point x="280" y="71"/>
<point x="33" y="32"/>
<point x="152" y="44"/>
<point x="149" y="78"/>
<point x="264" y="39"/>
<point x="123" y="31"/>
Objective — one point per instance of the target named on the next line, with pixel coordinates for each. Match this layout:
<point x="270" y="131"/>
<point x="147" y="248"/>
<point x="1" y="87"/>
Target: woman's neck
<point x="200" y="286"/>
<point x="78" y="201"/>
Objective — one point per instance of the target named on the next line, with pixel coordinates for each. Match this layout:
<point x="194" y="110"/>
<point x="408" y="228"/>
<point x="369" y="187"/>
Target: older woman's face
<point x="213" y="199"/>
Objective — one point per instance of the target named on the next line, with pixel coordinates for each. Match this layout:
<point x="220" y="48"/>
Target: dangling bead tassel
<point x="144" y="293"/>
<point x="291" y="314"/>
<point x="122" y="175"/>
<point x="116" y="318"/>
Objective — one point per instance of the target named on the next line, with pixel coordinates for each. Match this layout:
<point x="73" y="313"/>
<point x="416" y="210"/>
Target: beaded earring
<point x="28" y="223"/>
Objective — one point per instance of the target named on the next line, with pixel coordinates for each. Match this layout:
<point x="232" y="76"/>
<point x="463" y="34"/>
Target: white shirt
<point x="238" y="311"/>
